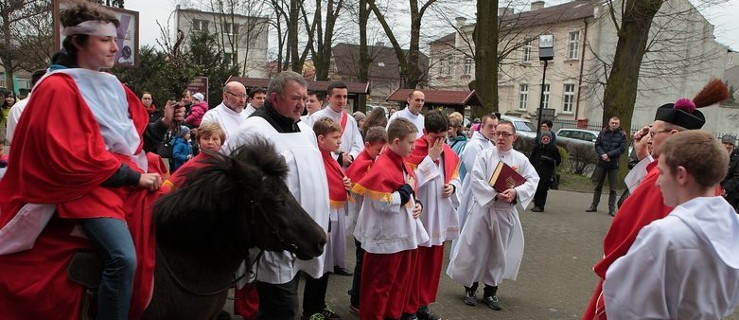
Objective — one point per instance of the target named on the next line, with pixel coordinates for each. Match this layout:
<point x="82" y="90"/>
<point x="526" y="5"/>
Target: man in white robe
<point x="278" y="122"/>
<point x="230" y="113"/>
<point x="481" y="139"/>
<point x="257" y="96"/>
<point x="412" y="113"/>
<point x="685" y="265"/>
<point x="490" y="247"/>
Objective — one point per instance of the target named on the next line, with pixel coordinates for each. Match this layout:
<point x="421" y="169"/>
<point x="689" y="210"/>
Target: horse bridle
<point x="255" y="206"/>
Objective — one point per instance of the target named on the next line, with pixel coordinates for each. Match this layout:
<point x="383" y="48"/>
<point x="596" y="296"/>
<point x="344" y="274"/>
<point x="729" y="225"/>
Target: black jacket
<point x="545" y="158"/>
<point x="612" y="143"/>
<point x="730" y="184"/>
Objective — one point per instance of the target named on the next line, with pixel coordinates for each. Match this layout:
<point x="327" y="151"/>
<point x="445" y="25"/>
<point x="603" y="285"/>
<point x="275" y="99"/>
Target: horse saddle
<point x="86" y="269"/>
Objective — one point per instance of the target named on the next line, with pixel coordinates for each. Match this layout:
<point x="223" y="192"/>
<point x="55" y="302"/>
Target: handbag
<point x="165" y="148"/>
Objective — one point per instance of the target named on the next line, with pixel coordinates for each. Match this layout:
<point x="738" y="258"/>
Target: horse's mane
<point x="210" y="210"/>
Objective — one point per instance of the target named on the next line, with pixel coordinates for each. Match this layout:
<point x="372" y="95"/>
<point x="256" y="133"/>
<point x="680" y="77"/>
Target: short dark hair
<point x="335" y="85"/>
<point x="319" y="94"/>
<point x="508" y="123"/>
<point x="375" y="135"/>
<point x="36" y="76"/>
<point x="547" y="122"/>
<point x="256" y="90"/>
<point x="435" y="121"/>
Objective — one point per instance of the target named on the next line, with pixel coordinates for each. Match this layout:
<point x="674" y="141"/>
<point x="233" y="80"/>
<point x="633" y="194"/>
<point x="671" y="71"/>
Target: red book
<point x="504" y="178"/>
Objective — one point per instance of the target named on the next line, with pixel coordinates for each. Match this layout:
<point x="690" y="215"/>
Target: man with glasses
<point x="229" y="113"/>
<point x="645" y="204"/>
<point x="490" y="247"/>
<point x="611" y="143"/>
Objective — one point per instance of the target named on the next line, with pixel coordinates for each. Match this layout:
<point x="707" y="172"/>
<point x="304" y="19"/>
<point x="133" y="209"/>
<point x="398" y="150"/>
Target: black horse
<point x="205" y="230"/>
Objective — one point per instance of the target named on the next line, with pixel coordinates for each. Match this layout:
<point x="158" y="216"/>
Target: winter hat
<point x="183" y="131"/>
<point x="359" y="116"/>
<point x="198" y="96"/>
<point x="727" y="138"/>
<point x="685" y="111"/>
<point x="546" y="134"/>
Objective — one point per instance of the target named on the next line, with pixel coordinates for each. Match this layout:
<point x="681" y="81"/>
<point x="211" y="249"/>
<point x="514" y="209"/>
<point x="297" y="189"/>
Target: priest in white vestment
<point x="412" y="112"/>
<point x="230" y="113"/>
<point x="490" y="247"/>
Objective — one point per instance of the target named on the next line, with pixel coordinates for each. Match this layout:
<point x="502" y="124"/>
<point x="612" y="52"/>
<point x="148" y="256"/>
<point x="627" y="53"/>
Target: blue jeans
<point x="114" y="244"/>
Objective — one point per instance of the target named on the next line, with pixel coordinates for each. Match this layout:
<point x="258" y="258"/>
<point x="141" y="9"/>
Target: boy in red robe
<point x="645" y="204"/>
<point x="388" y="228"/>
<point x="375" y="140"/>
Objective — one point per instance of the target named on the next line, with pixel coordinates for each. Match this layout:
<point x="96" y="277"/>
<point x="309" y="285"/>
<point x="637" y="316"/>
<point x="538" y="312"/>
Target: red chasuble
<point x="337" y="194"/>
<point x="640" y="209"/>
<point x="451" y="160"/>
<point x="384" y="178"/>
<point x="63" y="162"/>
<point x="360" y="166"/>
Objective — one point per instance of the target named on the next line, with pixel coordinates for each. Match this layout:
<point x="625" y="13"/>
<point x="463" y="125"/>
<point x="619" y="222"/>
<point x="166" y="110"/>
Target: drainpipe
<point x="582" y="67"/>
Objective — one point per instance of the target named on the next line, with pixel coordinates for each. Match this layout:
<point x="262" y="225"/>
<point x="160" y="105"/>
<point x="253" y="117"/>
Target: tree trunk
<point x="485" y="36"/>
<point x="292" y="36"/>
<point x="620" y="93"/>
<point x="364" y="57"/>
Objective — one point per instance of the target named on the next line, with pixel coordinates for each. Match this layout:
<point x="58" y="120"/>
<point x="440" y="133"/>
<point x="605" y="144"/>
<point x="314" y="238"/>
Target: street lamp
<point x="546" y="53"/>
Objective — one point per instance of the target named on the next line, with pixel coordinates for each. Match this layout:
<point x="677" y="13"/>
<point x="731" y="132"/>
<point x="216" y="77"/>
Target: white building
<point x="682" y="55"/>
<point x="243" y="38"/>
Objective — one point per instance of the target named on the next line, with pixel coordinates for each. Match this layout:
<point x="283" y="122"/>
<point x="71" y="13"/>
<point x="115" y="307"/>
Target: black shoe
<point x="537" y="209"/>
<point x="470" y="297"/>
<point x="591" y="209"/>
<point x="408" y="316"/>
<point x="326" y="314"/>
<point x="612" y="213"/>
<point x="492" y="302"/>
<point x="425" y="313"/>
<point x="341" y="271"/>
<point x="224" y="315"/>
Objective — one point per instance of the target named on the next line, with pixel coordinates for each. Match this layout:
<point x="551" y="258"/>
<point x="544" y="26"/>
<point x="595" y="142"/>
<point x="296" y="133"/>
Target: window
<point x="573" y="45"/>
<point x="545" y="100"/>
<point x="569" y="97"/>
<point x="468" y="65"/>
<point x="442" y="66"/>
<point x="523" y="96"/>
<point x="445" y="67"/>
<point x="200" y="25"/>
<point x="230" y="28"/>
<point x="527" y="51"/>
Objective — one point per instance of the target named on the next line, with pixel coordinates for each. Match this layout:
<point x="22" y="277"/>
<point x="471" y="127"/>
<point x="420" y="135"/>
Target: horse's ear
<point x="262" y="154"/>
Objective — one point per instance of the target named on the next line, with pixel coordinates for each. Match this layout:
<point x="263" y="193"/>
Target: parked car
<point x="524" y="128"/>
<point x="577" y="136"/>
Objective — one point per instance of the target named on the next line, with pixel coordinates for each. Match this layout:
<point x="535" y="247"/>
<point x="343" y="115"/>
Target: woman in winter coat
<point x="545" y="159"/>
<point x="197" y="110"/>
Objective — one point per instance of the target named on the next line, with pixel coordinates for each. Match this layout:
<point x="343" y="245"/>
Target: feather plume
<point x="713" y="92"/>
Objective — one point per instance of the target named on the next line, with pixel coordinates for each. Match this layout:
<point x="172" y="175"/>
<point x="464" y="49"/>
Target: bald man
<point x="412" y="113"/>
<point x="229" y="114"/>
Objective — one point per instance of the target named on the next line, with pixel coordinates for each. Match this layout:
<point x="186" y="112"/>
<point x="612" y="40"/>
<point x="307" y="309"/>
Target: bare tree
<point x="322" y="39"/>
<point x="411" y="74"/>
<point x="12" y="14"/>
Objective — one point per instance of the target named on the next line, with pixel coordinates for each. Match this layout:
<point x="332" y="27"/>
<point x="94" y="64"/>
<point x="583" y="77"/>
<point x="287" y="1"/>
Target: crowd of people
<point x="401" y="184"/>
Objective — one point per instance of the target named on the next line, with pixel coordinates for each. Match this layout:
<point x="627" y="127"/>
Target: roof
<point x="441" y="97"/>
<point x="351" y="87"/>
<point x="384" y="62"/>
<point x="201" y="12"/>
<point x="447" y="38"/>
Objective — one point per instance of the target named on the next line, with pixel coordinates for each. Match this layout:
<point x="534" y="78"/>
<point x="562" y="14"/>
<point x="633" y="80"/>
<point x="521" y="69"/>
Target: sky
<point x="722" y="16"/>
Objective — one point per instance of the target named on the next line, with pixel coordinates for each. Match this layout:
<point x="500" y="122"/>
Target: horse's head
<point x="242" y="201"/>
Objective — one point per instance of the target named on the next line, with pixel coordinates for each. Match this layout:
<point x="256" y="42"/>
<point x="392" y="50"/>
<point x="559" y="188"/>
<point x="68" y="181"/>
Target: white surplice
<point x="439" y="217"/>
<point x="229" y="120"/>
<point x="490" y="247"/>
<point x="307" y="182"/>
<point x="351" y="137"/>
<point x="684" y="266"/>
<point x="474" y="146"/>
<point x="416" y="119"/>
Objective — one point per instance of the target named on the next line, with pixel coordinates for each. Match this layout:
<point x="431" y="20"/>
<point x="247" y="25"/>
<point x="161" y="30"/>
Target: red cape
<point x="384" y="178"/>
<point x="63" y="161"/>
<point x="337" y="194"/>
<point x="177" y="180"/>
<point x="451" y="160"/>
<point x="360" y="166"/>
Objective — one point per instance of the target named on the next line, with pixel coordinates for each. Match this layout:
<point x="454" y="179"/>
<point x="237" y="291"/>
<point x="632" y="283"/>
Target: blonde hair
<point x="324" y="126"/>
<point x="208" y="129"/>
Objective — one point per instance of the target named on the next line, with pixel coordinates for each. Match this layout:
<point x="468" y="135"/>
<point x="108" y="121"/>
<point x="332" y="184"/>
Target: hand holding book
<point x="504" y="178"/>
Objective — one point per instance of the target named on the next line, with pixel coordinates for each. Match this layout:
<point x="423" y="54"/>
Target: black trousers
<point x="600" y="177"/>
<point x="354" y="291"/>
<point x="314" y="295"/>
<point x="278" y="301"/>
<point x="540" y="197"/>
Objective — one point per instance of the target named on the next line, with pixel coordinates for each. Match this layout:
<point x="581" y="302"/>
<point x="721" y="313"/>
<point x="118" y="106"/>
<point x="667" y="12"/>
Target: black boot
<point x="425" y="313"/>
<point x="491" y="299"/>
<point x="470" y="295"/>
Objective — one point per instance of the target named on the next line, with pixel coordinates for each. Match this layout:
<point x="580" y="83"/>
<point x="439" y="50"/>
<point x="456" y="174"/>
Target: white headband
<point x="92" y="28"/>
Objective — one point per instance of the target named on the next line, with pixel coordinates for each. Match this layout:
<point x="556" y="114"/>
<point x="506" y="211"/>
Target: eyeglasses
<point x="654" y="133"/>
<point x="503" y="134"/>
<point x="242" y="96"/>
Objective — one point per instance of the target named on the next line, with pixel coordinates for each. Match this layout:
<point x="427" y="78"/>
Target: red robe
<point x="177" y="180"/>
<point x="360" y="166"/>
<point x="640" y="209"/>
<point x="63" y="162"/>
<point x="451" y="160"/>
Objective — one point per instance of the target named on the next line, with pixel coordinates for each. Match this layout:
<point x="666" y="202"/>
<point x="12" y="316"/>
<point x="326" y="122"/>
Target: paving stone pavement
<point x="555" y="280"/>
